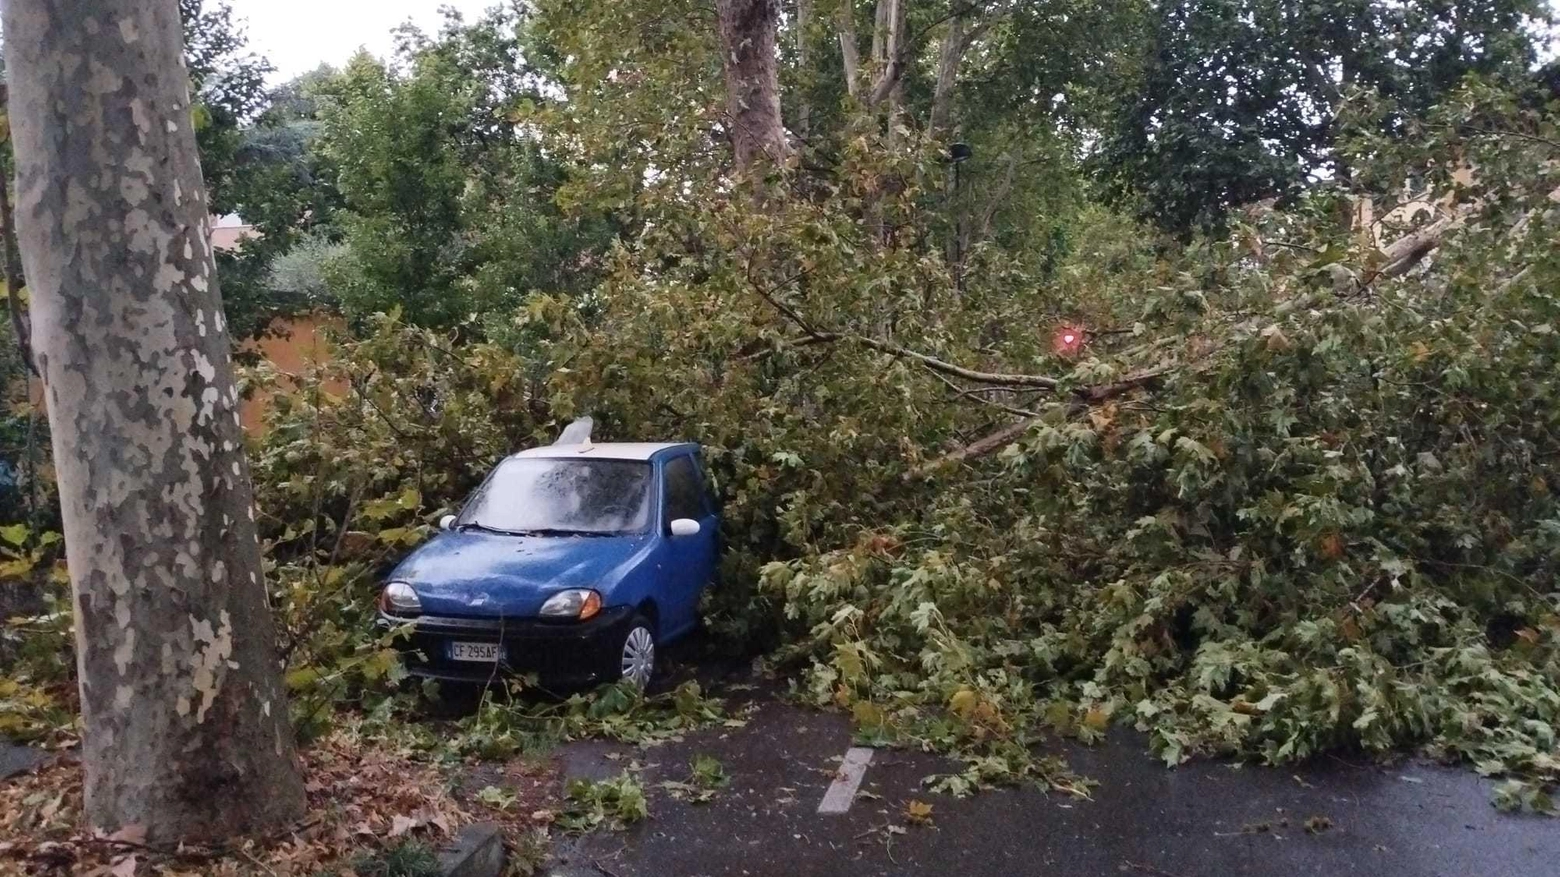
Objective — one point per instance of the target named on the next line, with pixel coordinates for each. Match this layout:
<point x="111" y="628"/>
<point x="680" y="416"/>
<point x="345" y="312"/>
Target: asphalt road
<point x="15" y="759"/>
<point x="1207" y="819"/>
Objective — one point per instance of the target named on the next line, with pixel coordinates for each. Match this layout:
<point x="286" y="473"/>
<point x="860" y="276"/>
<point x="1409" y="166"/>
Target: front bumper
<point x="561" y="653"/>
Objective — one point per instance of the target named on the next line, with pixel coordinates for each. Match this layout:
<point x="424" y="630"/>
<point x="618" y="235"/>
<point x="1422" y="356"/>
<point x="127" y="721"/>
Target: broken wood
<point x="988" y="444"/>
<point x="1084" y="398"/>
<point x="1397" y="258"/>
<point x="948" y="368"/>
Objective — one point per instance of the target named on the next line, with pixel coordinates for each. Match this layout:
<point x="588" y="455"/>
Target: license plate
<point x="486" y="652"/>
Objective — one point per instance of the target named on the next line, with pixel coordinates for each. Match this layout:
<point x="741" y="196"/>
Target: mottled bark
<point x="949" y="54"/>
<point x="888" y="56"/>
<point x="881" y="12"/>
<point x="804" y="64"/>
<point x="885" y="57"/>
<point x="187" y="732"/>
<point x="965" y="27"/>
<point x="850" y="56"/>
<point x="748" y="30"/>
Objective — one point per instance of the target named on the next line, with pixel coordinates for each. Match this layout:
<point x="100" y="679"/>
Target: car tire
<point x="637" y="654"/>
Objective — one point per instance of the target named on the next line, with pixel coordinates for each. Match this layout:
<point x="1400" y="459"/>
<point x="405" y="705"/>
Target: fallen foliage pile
<point x="1295" y="489"/>
<point x="362" y="800"/>
<point x="1286" y="491"/>
<point x="502" y="727"/>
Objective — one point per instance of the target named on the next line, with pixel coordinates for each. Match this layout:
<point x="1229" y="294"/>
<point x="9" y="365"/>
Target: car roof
<point x="602" y="450"/>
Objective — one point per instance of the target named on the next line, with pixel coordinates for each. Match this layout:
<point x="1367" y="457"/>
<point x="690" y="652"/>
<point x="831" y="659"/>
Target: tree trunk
<point x="850" y="56"/>
<point x="748" y="30"/>
<point x="888" y="58"/>
<point x="897" y="57"/>
<point x="803" y="64"/>
<point x="948" y="57"/>
<point x="882" y="18"/>
<point x="964" y="29"/>
<point x="187" y="730"/>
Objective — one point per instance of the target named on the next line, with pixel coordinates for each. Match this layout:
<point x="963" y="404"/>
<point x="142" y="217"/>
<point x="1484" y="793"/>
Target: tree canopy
<point x="1061" y="363"/>
<point x="1241" y="101"/>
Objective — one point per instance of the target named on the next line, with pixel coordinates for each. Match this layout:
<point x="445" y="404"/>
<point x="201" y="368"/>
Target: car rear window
<point x="576" y="496"/>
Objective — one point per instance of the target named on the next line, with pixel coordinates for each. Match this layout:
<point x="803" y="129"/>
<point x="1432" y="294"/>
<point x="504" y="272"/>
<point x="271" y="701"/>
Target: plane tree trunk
<point x="186" y="725"/>
<point x="748" y="31"/>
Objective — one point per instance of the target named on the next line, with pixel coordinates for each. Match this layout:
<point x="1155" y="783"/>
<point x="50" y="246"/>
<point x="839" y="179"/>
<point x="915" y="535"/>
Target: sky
<point x="298" y="35"/>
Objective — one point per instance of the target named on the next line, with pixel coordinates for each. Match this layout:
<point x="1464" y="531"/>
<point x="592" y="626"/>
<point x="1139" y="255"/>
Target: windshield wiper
<point x="473" y="525"/>
<point x="556" y="531"/>
<point x="540" y="531"/>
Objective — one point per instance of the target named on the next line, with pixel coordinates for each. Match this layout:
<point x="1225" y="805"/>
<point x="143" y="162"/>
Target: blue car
<point x="576" y="561"/>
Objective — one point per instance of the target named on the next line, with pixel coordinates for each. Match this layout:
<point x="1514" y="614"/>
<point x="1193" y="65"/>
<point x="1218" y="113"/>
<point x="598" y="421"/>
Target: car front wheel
<point x="636" y="662"/>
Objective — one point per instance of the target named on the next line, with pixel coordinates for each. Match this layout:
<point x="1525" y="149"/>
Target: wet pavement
<point x="15" y="759"/>
<point x="1206" y="819"/>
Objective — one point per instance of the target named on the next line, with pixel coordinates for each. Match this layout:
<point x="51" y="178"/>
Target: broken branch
<point x="990" y="443"/>
<point x="957" y="371"/>
<point x="975" y="393"/>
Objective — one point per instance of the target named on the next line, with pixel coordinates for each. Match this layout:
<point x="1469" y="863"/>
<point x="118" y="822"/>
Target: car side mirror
<point x="685" y="527"/>
<point x="446" y="521"/>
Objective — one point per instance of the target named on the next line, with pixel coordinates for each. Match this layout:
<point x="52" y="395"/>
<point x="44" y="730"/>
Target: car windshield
<point x="569" y="496"/>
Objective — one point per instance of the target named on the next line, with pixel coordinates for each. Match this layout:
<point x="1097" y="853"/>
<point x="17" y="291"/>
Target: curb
<point x="476" y="851"/>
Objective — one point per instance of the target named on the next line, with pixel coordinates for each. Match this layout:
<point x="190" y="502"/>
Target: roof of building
<point x="601" y="450"/>
<point x="231" y="237"/>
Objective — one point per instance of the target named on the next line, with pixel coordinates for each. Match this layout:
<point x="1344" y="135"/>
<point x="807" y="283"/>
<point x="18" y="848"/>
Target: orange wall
<point x="293" y="346"/>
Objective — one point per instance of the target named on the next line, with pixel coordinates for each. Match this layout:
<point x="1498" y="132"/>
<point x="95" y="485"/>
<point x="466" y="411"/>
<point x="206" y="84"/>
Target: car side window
<point x="706" y="485"/>
<point x="684" y="493"/>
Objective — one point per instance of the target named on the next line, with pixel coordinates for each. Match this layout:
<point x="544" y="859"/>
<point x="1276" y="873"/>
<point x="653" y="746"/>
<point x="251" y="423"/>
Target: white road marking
<point x="842" y="792"/>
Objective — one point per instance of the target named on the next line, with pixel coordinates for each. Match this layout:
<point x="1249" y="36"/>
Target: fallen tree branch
<point x="787" y="311"/>
<point x="1398" y="257"/>
<point x="958" y="371"/>
<point x="974" y="393"/>
<point x="1097" y="393"/>
<point x="987" y="444"/>
<point x="1407" y="251"/>
<point x="752" y="351"/>
<point x="1083" y="399"/>
<point x="818" y="336"/>
<point x="1519" y="230"/>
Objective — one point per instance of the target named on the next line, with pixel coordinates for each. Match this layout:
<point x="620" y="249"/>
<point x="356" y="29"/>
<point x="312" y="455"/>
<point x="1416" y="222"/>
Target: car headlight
<point x="398" y="598"/>
<point x="579" y="603"/>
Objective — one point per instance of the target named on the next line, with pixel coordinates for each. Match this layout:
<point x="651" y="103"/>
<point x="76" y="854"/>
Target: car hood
<point x="474" y="573"/>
